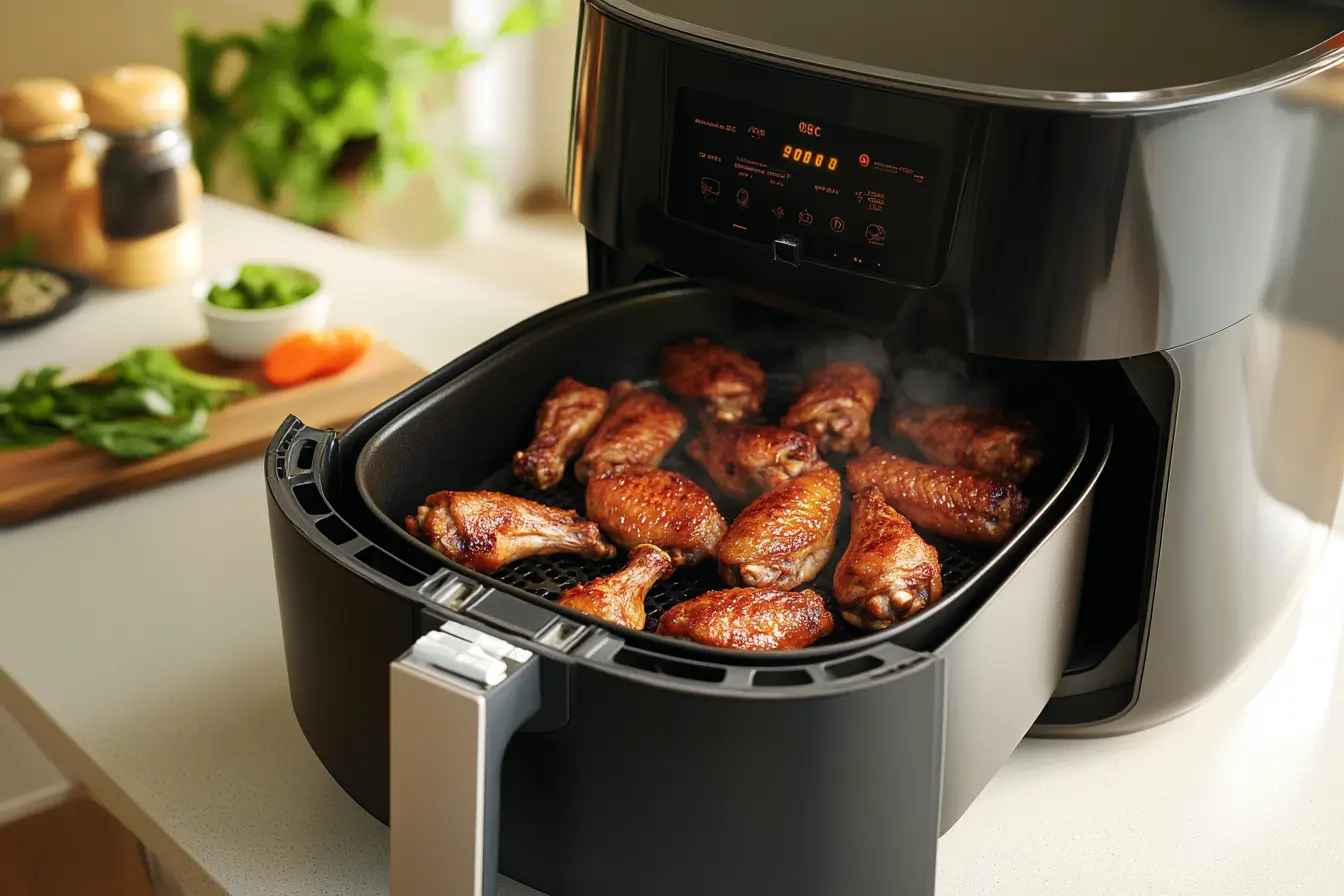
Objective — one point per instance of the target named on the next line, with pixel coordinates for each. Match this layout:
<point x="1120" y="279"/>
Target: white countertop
<point x="140" y="646"/>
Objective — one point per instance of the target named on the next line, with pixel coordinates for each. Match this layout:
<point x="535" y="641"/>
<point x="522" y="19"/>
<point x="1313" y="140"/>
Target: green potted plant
<point x="331" y="107"/>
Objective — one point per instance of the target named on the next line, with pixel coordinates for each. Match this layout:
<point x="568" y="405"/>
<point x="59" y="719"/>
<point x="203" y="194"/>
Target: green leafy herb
<point x="20" y="253"/>
<point x="143" y="404"/>
<point x="331" y="105"/>
<point x="264" y="286"/>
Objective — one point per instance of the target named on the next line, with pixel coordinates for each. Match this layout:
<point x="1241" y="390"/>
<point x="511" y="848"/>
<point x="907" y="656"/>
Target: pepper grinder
<point x="59" y="207"/>
<point x="150" y="189"/>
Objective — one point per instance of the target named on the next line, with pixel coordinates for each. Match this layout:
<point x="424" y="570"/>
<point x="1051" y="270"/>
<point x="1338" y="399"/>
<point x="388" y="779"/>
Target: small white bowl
<point x="242" y="335"/>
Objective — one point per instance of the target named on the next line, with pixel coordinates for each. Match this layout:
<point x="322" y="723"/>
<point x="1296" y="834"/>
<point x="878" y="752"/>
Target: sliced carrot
<point x="295" y="358"/>
<point x="344" y="347"/>
<point x="303" y="356"/>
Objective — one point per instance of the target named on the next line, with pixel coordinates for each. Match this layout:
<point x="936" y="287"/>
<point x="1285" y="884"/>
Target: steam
<point x="940" y="377"/>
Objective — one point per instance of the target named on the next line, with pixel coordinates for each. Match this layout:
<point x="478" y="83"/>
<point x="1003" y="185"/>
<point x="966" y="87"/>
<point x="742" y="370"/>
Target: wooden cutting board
<point x="37" y="481"/>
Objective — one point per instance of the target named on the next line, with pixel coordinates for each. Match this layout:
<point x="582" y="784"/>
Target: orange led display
<point x="809" y="157"/>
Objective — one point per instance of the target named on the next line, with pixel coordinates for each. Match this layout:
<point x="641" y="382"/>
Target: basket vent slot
<point x="781" y="678"/>
<point x="310" y="499"/>
<point x="635" y="659"/>
<point x="379" y="561"/>
<point x="306" y="451"/>
<point x="855" y="666"/>
<point x="334" y="530"/>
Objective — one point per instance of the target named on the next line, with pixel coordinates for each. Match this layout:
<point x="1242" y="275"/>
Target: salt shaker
<point x="150" y="189"/>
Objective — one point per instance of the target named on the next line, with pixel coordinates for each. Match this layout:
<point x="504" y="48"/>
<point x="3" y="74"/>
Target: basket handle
<point x="457" y="698"/>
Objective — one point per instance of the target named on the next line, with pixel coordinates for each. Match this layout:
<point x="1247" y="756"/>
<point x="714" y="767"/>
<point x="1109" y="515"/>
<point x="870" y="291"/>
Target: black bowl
<point x="79" y="288"/>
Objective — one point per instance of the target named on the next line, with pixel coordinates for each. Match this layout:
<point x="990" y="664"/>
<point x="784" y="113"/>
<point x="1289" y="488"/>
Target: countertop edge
<point x="79" y="767"/>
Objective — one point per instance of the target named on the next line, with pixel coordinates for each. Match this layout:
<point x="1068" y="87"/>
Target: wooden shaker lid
<point x="38" y="109"/>
<point x="135" y="98"/>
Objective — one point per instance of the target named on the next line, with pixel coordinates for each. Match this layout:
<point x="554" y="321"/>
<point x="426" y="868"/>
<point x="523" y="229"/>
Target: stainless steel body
<point x="1253" y="480"/>
<point x="1187" y="227"/>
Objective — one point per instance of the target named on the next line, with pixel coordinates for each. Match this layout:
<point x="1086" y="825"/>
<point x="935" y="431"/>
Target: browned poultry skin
<point x="750" y="619"/>
<point x="784" y="537"/>
<point x="639" y="430"/>
<point x="565" y="421"/>
<point x="887" y="572"/>
<point x="835" y="407"/>
<point x="745" y="460"/>
<point x="619" y="597"/>
<point x="728" y="383"/>
<point x="486" y="530"/>
<point x="954" y="502"/>
<point x="648" y="505"/>
<point x="984" y="439"/>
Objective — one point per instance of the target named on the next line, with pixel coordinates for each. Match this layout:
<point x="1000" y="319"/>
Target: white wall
<point x="516" y="102"/>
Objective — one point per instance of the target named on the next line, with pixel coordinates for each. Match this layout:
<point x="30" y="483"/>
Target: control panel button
<point x="778" y="211"/>
<point x="789" y="249"/>
<point x="838" y="224"/>
<point x="709" y="186"/>
<point x="742" y="198"/>
<point x="805" y="217"/>
<point x="877" y="234"/>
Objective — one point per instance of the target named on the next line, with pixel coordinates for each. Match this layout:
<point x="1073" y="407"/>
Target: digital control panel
<point x="815" y="190"/>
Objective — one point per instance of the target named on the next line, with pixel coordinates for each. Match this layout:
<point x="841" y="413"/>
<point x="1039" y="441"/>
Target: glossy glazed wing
<point x="954" y="502"/>
<point x="985" y="439"/>
<point x="619" y="597"/>
<point x="746" y="460"/>
<point x="887" y="572"/>
<point x="750" y="619"/>
<point x="486" y="530"/>
<point x="567" y="418"/>
<point x="784" y="537"/>
<point x="639" y="430"/>
<point x="728" y="383"/>
<point x="648" y="505"/>
<point x="835" y="407"/>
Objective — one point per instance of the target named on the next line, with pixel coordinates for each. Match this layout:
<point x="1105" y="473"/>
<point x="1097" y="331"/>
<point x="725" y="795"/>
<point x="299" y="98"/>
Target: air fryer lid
<point x="1052" y="48"/>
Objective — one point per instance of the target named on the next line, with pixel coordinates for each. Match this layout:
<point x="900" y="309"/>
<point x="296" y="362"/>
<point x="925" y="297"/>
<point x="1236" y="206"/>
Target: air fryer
<point x="809" y="187"/>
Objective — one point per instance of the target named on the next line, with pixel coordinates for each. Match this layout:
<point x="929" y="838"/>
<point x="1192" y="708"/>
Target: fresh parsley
<point x="143" y="404"/>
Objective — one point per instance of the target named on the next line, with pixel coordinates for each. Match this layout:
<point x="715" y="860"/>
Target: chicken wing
<point x="954" y="502"/>
<point x="750" y="619"/>
<point x="486" y="530"/>
<point x="985" y="439"/>
<point x="619" y="597"/>
<point x="730" y="385"/>
<point x="640" y="429"/>
<point x="835" y="407"/>
<point x="784" y="537"/>
<point x="648" y="505"/>
<point x="746" y="460"/>
<point x="887" y="572"/>
<point x="566" y="419"/>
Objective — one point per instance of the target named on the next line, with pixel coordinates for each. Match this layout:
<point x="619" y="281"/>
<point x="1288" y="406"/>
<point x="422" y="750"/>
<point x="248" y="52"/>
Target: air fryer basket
<point x="463" y="436"/>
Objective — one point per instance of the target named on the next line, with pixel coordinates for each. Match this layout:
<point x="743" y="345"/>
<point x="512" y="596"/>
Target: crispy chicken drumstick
<point x="640" y="429"/>
<point x="730" y="384"/>
<point x="750" y="619"/>
<point x="566" y="419"/>
<point x="835" y="407"/>
<point x="486" y="530"/>
<point x="887" y="572"/>
<point x="957" y="503"/>
<point x="619" y="597"/>
<point x="745" y="460"/>
<point x="784" y="537"/>
<point x="648" y="505"/>
<point x="979" y="438"/>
